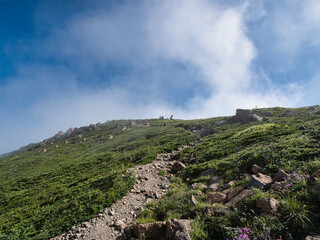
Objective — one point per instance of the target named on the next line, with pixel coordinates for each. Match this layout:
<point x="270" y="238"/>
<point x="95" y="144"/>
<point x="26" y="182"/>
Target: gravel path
<point x="112" y="222"/>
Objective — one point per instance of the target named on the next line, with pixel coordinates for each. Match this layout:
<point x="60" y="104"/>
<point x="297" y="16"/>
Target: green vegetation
<point x="286" y="139"/>
<point x="47" y="188"/>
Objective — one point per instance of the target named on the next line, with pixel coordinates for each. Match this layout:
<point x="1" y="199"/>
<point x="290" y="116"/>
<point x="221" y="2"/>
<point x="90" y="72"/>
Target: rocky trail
<point x="113" y="222"/>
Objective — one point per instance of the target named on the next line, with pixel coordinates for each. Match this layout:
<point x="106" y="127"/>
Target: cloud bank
<point x="192" y="59"/>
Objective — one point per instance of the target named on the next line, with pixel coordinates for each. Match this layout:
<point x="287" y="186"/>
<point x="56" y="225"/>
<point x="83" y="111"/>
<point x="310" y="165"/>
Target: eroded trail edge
<point x="112" y="223"/>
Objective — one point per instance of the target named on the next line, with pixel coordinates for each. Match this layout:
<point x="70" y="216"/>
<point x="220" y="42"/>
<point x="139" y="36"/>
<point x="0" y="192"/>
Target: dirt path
<point x="111" y="223"/>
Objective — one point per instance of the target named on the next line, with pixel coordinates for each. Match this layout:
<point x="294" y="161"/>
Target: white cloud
<point x="209" y="40"/>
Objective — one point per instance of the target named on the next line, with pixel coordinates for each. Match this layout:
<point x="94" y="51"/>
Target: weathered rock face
<point x="242" y="195"/>
<point x="156" y="230"/>
<point x="178" y="229"/>
<point x="234" y="192"/>
<point x="217" y="197"/>
<point x="268" y="205"/>
<point x="246" y="116"/>
<point x="177" y="167"/>
<point x="280" y="175"/>
<point x="260" y="181"/>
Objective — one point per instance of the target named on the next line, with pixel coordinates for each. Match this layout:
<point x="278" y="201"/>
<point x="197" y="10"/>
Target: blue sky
<point x="76" y="62"/>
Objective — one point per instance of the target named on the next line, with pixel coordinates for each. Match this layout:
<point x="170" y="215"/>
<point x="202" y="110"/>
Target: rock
<point x="214" y="184"/>
<point x="246" y="116"/>
<point x="193" y="200"/>
<point x="207" y="172"/>
<point x="242" y="195"/>
<point x="111" y="212"/>
<point x="120" y="225"/>
<point x="175" y="226"/>
<point x="217" y="197"/>
<point x="198" y="185"/>
<point x="278" y="186"/>
<point x="317" y="113"/>
<point x="156" y="230"/>
<point x="280" y="175"/>
<point x="268" y="205"/>
<point x="234" y="192"/>
<point x="177" y="167"/>
<point x="228" y="185"/>
<point x="313" y="237"/>
<point x="256" y="169"/>
<point x="316" y="174"/>
<point x="260" y="181"/>
<point x="303" y="127"/>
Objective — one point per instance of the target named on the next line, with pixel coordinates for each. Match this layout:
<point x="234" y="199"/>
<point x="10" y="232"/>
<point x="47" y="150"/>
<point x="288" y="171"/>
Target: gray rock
<point x="242" y="195"/>
<point x="246" y="116"/>
<point x="234" y="192"/>
<point x="177" y="167"/>
<point x="198" y="185"/>
<point x="175" y="225"/>
<point x="278" y="186"/>
<point x="280" y="175"/>
<point x="313" y="237"/>
<point x="217" y="197"/>
<point x="207" y="172"/>
<point x="256" y="169"/>
<point x="193" y="200"/>
<point x="260" y="181"/>
<point x="156" y="230"/>
<point x="214" y="184"/>
<point x="228" y="185"/>
<point x="268" y="205"/>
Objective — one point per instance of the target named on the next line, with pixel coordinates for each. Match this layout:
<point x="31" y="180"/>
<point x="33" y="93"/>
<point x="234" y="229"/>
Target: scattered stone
<point x="256" y="169"/>
<point x="278" y="186"/>
<point x="246" y="116"/>
<point x="242" y="195"/>
<point x="313" y="237"/>
<point x="177" y="167"/>
<point x="268" y="205"/>
<point x="280" y="175"/>
<point x="303" y="127"/>
<point x="156" y="230"/>
<point x="217" y="197"/>
<point x="214" y="184"/>
<point x="175" y="225"/>
<point x="198" y="185"/>
<point x="234" y="192"/>
<point x="228" y="185"/>
<point x="193" y="200"/>
<point x="120" y="225"/>
<point x="261" y="181"/>
<point x="316" y="174"/>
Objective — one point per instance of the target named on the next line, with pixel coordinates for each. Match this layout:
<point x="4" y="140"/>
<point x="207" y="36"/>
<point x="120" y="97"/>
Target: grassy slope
<point x="274" y="143"/>
<point x="43" y="194"/>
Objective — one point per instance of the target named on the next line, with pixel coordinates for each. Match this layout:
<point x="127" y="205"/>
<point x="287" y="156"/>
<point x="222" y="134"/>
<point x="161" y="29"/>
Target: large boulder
<point x="242" y="195"/>
<point x="280" y="176"/>
<point x="156" y="230"/>
<point x="246" y="116"/>
<point x="217" y="197"/>
<point x="268" y="205"/>
<point x="178" y="229"/>
<point x="261" y="181"/>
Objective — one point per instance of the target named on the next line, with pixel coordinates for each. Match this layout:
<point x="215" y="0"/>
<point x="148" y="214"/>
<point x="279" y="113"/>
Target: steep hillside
<point x="48" y="187"/>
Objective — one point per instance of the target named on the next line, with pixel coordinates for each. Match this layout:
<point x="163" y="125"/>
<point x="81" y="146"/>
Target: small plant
<point x="294" y="179"/>
<point x="247" y="234"/>
<point x="162" y="173"/>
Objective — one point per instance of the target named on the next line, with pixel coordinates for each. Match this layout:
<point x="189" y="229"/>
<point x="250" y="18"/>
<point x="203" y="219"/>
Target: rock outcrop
<point x="246" y="116"/>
